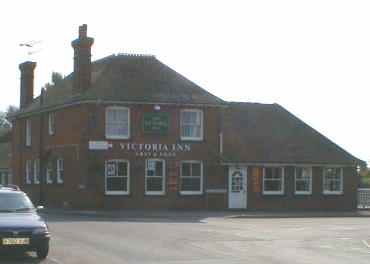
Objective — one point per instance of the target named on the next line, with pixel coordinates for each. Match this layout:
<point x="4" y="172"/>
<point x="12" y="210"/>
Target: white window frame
<point x="109" y="136"/>
<point x="309" y="192"/>
<point x="51" y="123"/>
<point x="28" y="132"/>
<point x="163" y="192"/>
<point x="328" y="192"/>
<point x="187" y="177"/>
<point x="49" y="173"/>
<point x="117" y="176"/>
<point x="60" y="168"/>
<point x="201" y="124"/>
<point x="282" y="191"/>
<point x="36" y="171"/>
<point x="29" y="170"/>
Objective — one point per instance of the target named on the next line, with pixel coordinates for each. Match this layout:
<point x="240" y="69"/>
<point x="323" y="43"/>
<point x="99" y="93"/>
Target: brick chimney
<point x="27" y="73"/>
<point x="82" y="60"/>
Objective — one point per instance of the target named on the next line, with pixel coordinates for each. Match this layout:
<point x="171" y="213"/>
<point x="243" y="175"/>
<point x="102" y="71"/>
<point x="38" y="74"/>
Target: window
<point x="51" y="122"/>
<point x="36" y="171"/>
<point x="333" y="181"/>
<point x="191" y="179"/>
<point x="28" y="132"/>
<point x="29" y="171"/>
<point x="273" y="180"/>
<point x="303" y="180"/>
<point x="154" y="177"/>
<point x="191" y="124"/>
<point x="117" y="180"/>
<point x="117" y="123"/>
<point x="4" y="177"/>
<point x="60" y="171"/>
<point x="49" y="173"/>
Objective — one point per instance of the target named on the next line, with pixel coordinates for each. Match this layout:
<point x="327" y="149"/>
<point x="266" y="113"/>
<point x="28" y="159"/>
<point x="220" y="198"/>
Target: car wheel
<point x="43" y="251"/>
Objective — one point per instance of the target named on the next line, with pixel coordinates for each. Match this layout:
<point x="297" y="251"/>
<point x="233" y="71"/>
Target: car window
<point x="15" y="202"/>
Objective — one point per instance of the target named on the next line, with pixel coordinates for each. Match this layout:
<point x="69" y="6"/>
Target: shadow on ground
<point x="13" y="257"/>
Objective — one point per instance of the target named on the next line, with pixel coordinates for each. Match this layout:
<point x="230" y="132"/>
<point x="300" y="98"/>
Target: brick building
<point x="127" y="131"/>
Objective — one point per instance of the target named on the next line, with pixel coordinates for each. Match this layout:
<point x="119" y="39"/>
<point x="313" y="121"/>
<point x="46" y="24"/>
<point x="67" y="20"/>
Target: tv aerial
<point x="31" y="46"/>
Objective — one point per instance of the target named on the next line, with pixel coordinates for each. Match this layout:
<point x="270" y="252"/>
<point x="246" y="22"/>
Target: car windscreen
<point x="16" y="202"/>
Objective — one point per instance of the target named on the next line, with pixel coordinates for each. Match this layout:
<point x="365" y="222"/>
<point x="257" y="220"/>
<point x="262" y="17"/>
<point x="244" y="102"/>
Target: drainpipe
<point x="41" y="154"/>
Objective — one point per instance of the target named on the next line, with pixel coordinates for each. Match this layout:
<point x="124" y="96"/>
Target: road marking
<point x="54" y="260"/>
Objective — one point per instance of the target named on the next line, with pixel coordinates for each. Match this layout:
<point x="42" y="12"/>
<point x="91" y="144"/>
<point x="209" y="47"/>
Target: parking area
<point x="205" y="239"/>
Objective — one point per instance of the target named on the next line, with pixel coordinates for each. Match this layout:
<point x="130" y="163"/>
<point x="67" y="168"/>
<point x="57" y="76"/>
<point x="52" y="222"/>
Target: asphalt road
<point x="89" y="239"/>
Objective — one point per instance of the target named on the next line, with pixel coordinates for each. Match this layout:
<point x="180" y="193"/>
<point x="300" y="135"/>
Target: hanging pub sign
<point x="156" y="123"/>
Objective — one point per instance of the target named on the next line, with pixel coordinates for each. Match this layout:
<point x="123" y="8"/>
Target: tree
<point x="56" y="79"/>
<point x="5" y="117"/>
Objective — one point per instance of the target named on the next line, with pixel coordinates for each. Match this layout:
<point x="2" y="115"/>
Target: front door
<point x="238" y="187"/>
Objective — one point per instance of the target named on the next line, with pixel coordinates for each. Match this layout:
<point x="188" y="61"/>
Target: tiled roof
<point x="268" y="133"/>
<point x="129" y="78"/>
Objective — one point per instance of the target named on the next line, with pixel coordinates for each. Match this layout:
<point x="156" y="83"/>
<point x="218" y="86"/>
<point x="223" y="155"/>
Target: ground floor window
<point x="117" y="177"/>
<point x="49" y="172"/>
<point x="273" y="180"/>
<point x="191" y="177"/>
<point x="303" y="180"/>
<point x="4" y="177"/>
<point x="333" y="180"/>
<point x="155" y="177"/>
<point x="60" y="171"/>
<point x="36" y="171"/>
<point x="29" y="172"/>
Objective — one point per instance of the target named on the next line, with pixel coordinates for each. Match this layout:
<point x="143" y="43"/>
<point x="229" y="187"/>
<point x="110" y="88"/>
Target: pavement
<point x="202" y="237"/>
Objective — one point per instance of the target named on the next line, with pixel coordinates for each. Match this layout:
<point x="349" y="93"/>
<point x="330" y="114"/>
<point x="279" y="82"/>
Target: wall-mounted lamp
<point x="157" y="107"/>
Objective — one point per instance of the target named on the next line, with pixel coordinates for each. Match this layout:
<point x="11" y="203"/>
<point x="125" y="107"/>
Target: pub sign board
<point x="156" y="123"/>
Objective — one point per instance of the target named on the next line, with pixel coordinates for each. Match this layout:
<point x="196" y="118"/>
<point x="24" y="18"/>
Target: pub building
<point x="127" y="131"/>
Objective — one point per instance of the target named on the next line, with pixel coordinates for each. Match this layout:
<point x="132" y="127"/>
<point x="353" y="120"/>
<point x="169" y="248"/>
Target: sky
<point x="311" y="57"/>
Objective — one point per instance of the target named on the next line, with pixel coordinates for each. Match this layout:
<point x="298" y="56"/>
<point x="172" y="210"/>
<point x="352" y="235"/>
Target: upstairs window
<point x="273" y="180"/>
<point x="117" y="122"/>
<point x="191" y="179"/>
<point x="191" y="124"/>
<point x="51" y="123"/>
<point x="28" y="132"/>
<point x="60" y="171"/>
<point x="155" y="177"/>
<point x="303" y="180"/>
<point x="333" y="180"/>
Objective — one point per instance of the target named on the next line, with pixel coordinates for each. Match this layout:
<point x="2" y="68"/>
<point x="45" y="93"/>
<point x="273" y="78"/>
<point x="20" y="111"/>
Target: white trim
<point x="309" y="192"/>
<point x="59" y="169"/>
<point x="200" y="192"/>
<point x="200" y="138"/>
<point x="110" y="136"/>
<point x="36" y="171"/>
<point x="29" y="168"/>
<point x="51" y="123"/>
<point x="163" y="192"/>
<point x="326" y="192"/>
<point x="119" y="176"/>
<point x="28" y="132"/>
<point x="282" y="182"/>
<point x="216" y="191"/>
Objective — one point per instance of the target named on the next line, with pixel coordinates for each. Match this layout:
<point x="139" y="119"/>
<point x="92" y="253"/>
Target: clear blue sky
<point x="312" y="57"/>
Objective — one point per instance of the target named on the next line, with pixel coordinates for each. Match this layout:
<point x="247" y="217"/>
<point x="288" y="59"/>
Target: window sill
<point x="303" y="193"/>
<point x="191" y="139"/>
<point x="155" y="193"/>
<point x="116" y="193"/>
<point x="332" y="193"/>
<point x="273" y="193"/>
<point x="187" y="193"/>
<point x="116" y="137"/>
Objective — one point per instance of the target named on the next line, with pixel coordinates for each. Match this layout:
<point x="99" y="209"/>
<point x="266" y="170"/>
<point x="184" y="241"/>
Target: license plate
<point x="16" y="241"/>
